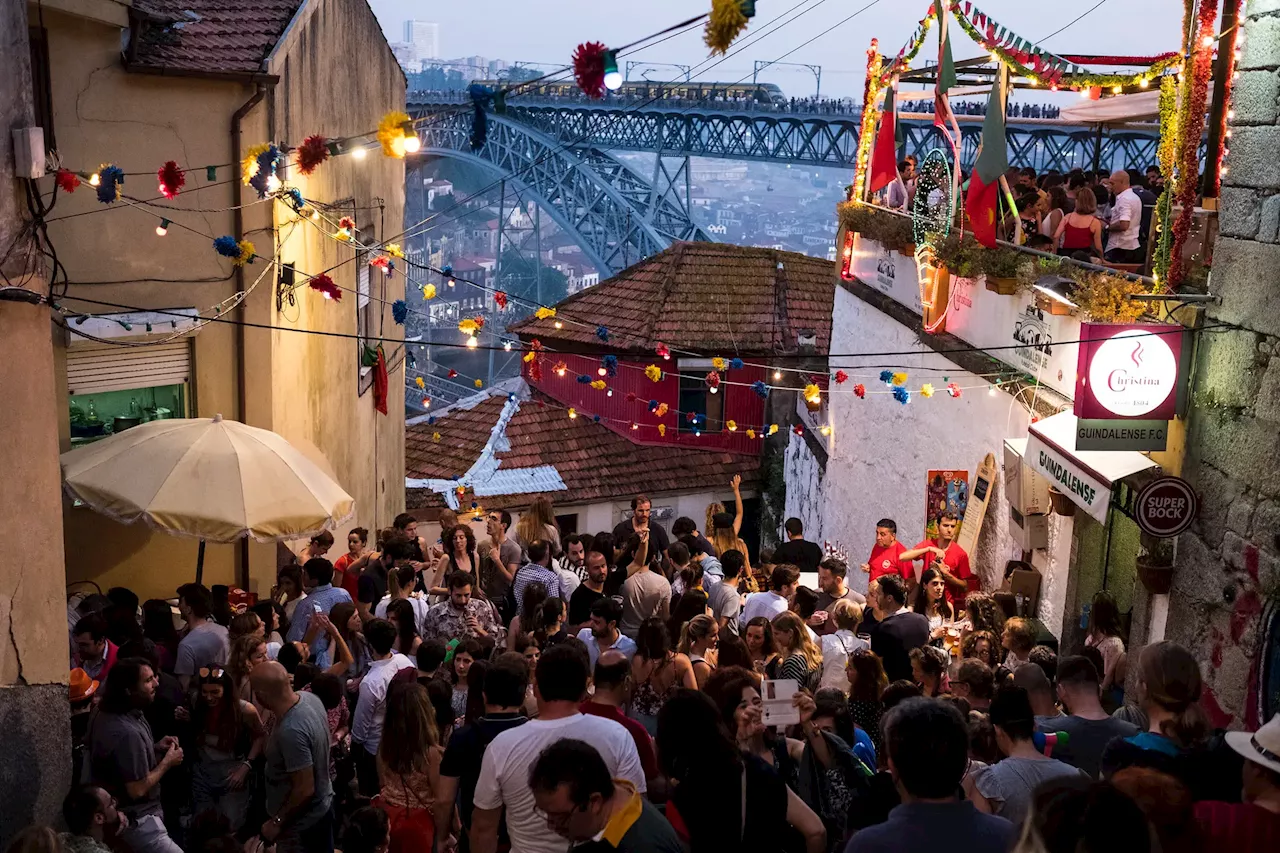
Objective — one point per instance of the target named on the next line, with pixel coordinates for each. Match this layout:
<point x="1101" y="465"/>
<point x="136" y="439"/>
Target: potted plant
<point x="1005" y="270"/>
<point x="1155" y="565"/>
<point x="1104" y="298"/>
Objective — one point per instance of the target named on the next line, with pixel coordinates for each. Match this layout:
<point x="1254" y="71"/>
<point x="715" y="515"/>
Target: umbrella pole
<point x="200" y="563"/>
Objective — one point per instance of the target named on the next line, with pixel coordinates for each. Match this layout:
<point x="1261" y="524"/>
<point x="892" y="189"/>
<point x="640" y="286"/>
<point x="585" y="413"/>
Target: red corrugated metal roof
<point x="594" y="462"/>
<point x="219" y="37"/>
<point x="706" y="297"/>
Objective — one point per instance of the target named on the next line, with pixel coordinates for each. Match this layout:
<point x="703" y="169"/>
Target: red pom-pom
<point x="326" y="287"/>
<point x="841" y="377"/>
<point x="953" y="389"/>
<point x="500" y="298"/>
<point x="588" y="68"/>
<point x="172" y="179"/>
<point x="631" y="396"/>
<point x="798" y="429"/>
<point x="67" y="180"/>
<point x="860" y="391"/>
<point x="348" y="223"/>
<point x="313" y="151"/>
<point x="453" y="374"/>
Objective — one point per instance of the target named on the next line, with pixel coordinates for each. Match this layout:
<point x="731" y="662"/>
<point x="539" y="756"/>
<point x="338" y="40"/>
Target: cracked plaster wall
<point x="1228" y="565"/>
<point x="881" y="451"/>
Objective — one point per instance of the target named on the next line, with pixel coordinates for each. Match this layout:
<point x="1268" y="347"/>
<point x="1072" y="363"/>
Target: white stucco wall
<point x="881" y="451"/>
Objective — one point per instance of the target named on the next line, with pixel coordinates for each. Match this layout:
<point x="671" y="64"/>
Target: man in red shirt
<point x="887" y="555"/>
<point x="955" y="562"/>
<point x="611" y="677"/>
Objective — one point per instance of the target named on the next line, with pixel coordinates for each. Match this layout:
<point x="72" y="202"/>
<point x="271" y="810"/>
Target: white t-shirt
<point x="1127" y="207"/>
<point x="420" y="608"/>
<point x="768" y="604"/>
<point x="504" y="772"/>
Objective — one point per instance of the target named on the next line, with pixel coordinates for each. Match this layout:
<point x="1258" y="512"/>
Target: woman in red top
<point x="1080" y="230"/>
<point x="357" y="545"/>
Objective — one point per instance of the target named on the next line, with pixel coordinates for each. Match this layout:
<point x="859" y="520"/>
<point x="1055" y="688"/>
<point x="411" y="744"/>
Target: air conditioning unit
<point x="1028" y="494"/>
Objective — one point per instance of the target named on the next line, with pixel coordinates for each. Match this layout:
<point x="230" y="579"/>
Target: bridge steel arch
<point x="612" y="211"/>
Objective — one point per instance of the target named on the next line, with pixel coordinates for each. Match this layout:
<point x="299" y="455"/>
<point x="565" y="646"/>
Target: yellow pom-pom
<point x="812" y="394"/>
<point x="899" y="379"/>
<point x="573" y="413"/>
<point x="435" y="436"/>
<point x="428" y="291"/>
<point x="662" y="429"/>
<point x="529" y="356"/>
<point x="725" y="23"/>
<point x="773" y="428"/>
<point x="249" y="165"/>
<point x="468" y="326"/>
<point x="544" y="312"/>
<point x="731" y="425"/>
<point x="479" y="383"/>
<point x="653" y="372"/>
<point x="420" y="383"/>
<point x="926" y="390"/>
<point x="462" y="490"/>
<point x="247" y="253"/>
<point x="751" y="433"/>
<point x="662" y="410"/>
<point x="719" y="364"/>
<point x="391" y="134"/>
<point x="394" y="250"/>
<point x="598" y="384"/>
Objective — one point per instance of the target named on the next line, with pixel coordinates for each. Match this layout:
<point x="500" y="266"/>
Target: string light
<point x="1207" y="41"/>
<point x="559" y="325"/>
<point x="777" y="376"/>
<point x="473" y="342"/>
<point x="1115" y="90"/>
<point x="359" y="152"/>
<point x="1144" y="83"/>
<point x="94" y="179"/>
<point x="163" y="228"/>
<point x="612" y="76"/>
<point x="506" y="345"/>
<point x="273" y="184"/>
<point x="600" y="371"/>
<point x="825" y="429"/>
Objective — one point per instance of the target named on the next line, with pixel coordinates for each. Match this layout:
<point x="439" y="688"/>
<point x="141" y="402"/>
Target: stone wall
<point x="1228" y="565"/>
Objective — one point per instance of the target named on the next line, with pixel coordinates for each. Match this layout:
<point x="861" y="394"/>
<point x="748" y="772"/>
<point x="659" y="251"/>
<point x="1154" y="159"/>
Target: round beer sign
<point x="1166" y="507"/>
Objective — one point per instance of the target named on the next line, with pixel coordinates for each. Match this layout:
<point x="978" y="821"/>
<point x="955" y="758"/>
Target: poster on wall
<point x="945" y="491"/>
<point x="889" y="272"/>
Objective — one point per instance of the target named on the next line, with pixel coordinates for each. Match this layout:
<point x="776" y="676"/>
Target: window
<point x="568" y="524"/>
<point x="695" y="396"/>
<point x="113" y="388"/>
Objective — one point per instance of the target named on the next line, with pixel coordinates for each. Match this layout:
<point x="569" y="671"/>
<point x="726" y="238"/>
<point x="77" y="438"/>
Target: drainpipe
<point x="237" y="218"/>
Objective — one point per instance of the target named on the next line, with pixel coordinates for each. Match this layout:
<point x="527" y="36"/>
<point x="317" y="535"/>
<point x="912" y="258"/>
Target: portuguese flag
<point x="884" y="157"/>
<point x="983" y="198"/>
<point x="946" y="72"/>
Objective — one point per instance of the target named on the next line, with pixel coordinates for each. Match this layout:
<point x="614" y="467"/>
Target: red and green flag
<point x="884" y="157"/>
<point x="946" y="72"/>
<point x="983" y="198"/>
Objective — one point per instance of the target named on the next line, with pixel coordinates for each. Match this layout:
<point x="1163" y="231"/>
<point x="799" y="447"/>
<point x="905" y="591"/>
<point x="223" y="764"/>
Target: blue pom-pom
<point x="902" y="395"/>
<point x="653" y="405"/>
<point x="399" y="311"/>
<point x="448" y="270"/>
<point x="602" y="333"/>
<point x="736" y="364"/>
<point x="609" y="362"/>
<point x="226" y="246"/>
<point x="295" y="199"/>
<point x="431" y="420"/>
<point x="109" y="180"/>
<point x="595" y="418"/>
<point x="267" y="162"/>
<point x="762" y="390"/>
<point x="583" y="379"/>
<point x="886" y="376"/>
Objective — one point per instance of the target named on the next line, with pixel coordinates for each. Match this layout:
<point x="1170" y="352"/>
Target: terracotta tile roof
<point x="708" y="297"/>
<point x="218" y="37"/>
<point x="594" y="462"/>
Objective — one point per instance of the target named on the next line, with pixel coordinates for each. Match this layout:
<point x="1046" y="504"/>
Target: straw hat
<point x="82" y="686"/>
<point x="1261" y="747"/>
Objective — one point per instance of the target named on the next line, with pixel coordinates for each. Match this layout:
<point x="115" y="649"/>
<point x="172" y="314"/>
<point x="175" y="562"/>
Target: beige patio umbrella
<point x="208" y="478"/>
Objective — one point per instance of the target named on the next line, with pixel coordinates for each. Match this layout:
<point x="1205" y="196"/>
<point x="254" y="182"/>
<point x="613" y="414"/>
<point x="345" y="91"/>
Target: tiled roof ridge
<point x="781" y="318"/>
<point x="668" y="282"/>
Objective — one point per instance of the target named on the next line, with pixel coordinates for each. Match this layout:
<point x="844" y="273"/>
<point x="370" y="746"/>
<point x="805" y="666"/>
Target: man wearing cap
<point x="1254" y="824"/>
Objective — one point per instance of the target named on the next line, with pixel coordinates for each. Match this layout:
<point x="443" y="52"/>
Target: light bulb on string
<point x="506" y="345"/>
<point x="472" y="342"/>
<point x="995" y="57"/>
<point x="163" y="228"/>
<point x="359" y="152"/>
<point x="1207" y="41"/>
<point x="559" y="325"/>
<point x="273" y="184"/>
<point x="612" y="76"/>
<point x="608" y="392"/>
<point x="600" y="371"/>
<point x="777" y="376"/>
<point x="412" y="144"/>
<point x="1115" y="90"/>
<point x="825" y="429"/>
<point x="991" y="390"/>
<point x="713" y="389"/>
<point x="94" y="179"/>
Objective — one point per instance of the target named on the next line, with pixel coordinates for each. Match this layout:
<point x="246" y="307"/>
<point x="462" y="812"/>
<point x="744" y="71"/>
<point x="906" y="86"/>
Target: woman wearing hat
<point x="1255" y="823"/>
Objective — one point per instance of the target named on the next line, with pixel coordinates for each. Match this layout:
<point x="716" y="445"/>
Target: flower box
<point x="1001" y="285"/>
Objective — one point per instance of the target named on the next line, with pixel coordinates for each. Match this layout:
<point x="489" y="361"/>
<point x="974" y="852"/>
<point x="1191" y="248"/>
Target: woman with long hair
<point x="548" y="629"/>
<point x="800" y="655"/>
<point x="289" y="590"/>
<point x="401" y="614"/>
<point x="357" y="547"/>
<point x="867" y="682"/>
<point x="346" y="619"/>
<point x="272" y="615"/>
<point x="1082" y="816"/>
<point x="1056" y="209"/>
<point x="930" y="600"/>
<point x="158" y="627"/>
<point x="929" y="670"/>
<point x="538" y="522"/>
<point x="247" y="652"/>
<point x="697" y="640"/>
<point x="657" y="671"/>
<point x="459" y="556"/>
<point x="1104" y="635"/>
<point x="759" y="636"/>
<point x="409" y="767"/>
<point x="1169" y="691"/>
<point x="981" y="645"/>
<point x="723" y="528"/>
<point x="732" y="650"/>
<point x="711" y="779"/>
<point x="465" y="654"/>
<point x="692" y="603"/>
<point x="228" y="737"/>
<point x="1081" y="229"/>
<point x="535" y="595"/>
<point x="983" y="613"/>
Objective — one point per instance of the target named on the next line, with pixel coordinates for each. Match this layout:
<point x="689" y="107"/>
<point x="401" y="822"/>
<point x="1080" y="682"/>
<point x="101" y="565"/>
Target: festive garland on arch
<point x="909" y="51"/>
<point x="1169" y="126"/>
<point x="1194" y="97"/>
<point x="870" y="114"/>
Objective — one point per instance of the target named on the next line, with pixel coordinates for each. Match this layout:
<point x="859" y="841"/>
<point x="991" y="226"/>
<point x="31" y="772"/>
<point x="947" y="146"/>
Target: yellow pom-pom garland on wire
<point x="529" y="356"/>
<point x="428" y="291"/>
<point x="391" y="133"/>
<point x="479" y="383"/>
<point x="662" y="429"/>
<point x="751" y="433"/>
<point x="249" y="165"/>
<point x="435" y="436"/>
<point x="899" y="379"/>
<point x="724" y="24"/>
<point x="653" y="372"/>
<point x="773" y="428"/>
<point x="544" y="312"/>
<point x="662" y="410"/>
<point x="394" y="250"/>
<point x="420" y="383"/>
<point x="926" y="390"/>
<point x="732" y="426"/>
<point x="247" y="253"/>
<point x="598" y="384"/>
<point x="468" y="326"/>
<point x="719" y="364"/>
<point x="812" y="394"/>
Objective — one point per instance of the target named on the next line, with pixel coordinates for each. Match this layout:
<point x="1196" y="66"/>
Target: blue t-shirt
<point x="930" y="827"/>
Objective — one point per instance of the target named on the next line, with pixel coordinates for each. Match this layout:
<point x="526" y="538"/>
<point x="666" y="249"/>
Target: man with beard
<point x="92" y="818"/>
<point x="126" y="761"/>
<point x="588" y="592"/>
<point x="602" y="634"/>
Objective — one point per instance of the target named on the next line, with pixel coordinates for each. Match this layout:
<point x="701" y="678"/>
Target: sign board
<point x="1166" y="507"/>
<point x="1128" y="372"/>
<point x="1083" y="487"/>
<point x="945" y="491"/>
<point x="979" y="497"/>
<point x="889" y="272"/>
<point x="1094" y="434"/>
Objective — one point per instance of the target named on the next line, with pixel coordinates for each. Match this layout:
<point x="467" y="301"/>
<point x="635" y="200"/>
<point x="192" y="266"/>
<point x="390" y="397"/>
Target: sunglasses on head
<point x="211" y="673"/>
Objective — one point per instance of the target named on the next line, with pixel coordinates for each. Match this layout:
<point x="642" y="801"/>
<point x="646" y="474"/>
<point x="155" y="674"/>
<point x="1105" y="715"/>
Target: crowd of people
<point x="638" y="690"/>
<point x="1094" y="217"/>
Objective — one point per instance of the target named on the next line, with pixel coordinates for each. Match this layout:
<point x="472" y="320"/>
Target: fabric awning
<point x="1085" y="476"/>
